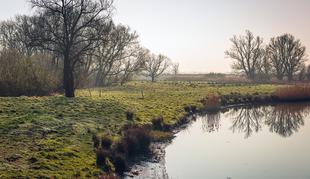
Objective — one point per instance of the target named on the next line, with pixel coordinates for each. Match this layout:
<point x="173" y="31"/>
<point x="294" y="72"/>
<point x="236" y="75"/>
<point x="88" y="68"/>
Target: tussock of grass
<point x="212" y="102"/>
<point x="294" y="93"/>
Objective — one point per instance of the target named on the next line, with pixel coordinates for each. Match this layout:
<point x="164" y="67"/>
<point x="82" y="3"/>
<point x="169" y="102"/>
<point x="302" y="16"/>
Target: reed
<point x="294" y="93"/>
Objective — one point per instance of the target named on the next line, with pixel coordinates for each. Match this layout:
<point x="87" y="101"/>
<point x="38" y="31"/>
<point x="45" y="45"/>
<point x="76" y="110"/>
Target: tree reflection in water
<point x="247" y="120"/>
<point x="286" y="119"/>
<point x="283" y="119"/>
<point x="211" y="122"/>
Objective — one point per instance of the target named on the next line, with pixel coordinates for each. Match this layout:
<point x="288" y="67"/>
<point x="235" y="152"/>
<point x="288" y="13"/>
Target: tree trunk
<point x="279" y="76"/>
<point x="289" y="76"/>
<point x="252" y="76"/>
<point x="68" y="79"/>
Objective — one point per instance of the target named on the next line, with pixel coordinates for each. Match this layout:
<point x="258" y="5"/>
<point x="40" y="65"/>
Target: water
<point x="247" y="143"/>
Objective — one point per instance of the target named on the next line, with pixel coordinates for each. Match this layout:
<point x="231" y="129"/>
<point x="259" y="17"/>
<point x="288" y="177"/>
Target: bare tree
<point x="119" y="46"/>
<point x="132" y="65"/>
<point x="264" y="68"/>
<point x="276" y="56"/>
<point x="302" y="75"/>
<point x="14" y="35"/>
<point x="287" y="55"/>
<point x="156" y="65"/>
<point x="70" y="28"/>
<point x="175" y="70"/>
<point x="247" y="51"/>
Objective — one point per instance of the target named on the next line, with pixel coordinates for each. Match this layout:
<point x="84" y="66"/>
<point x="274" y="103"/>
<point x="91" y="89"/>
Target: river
<point x="240" y="143"/>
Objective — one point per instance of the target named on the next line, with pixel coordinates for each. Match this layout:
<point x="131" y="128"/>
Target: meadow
<point x="52" y="136"/>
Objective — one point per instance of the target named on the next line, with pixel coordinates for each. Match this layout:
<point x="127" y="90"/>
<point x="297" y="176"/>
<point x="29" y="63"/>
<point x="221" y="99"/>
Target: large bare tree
<point x="70" y="28"/>
<point x="156" y="65"/>
<point x="287" y="55"/>
<point x="247" y="51"/>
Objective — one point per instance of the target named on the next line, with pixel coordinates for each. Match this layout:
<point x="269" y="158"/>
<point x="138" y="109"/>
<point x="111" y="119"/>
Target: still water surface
<point x="244" y="143"/>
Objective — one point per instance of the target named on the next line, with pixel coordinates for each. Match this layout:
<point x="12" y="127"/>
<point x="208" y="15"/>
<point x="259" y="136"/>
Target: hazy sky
<point x="196" y="33"/>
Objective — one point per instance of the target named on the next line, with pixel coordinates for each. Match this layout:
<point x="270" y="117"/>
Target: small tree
<point x="175" y="68"/>
<point x="156" y="65"/>
<point x="247" y="52"/>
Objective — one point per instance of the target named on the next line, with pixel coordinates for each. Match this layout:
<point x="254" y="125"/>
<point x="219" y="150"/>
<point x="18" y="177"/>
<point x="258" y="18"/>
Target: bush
<point x="158" y="123"/>
<point x="101" y="156"/>
<point x="29" y="76"/>
<point x="106" y="142"/>
<point x="190" y="109"/>
<point x="96" y="141"/>
<point x="136" y="140"/>
<point x="129" y="115"/>
<point x="120" y="164"/>
<point x="293" y="93"/>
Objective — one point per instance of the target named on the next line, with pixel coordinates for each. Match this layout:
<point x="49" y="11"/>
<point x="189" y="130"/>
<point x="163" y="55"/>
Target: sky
<point x="196" y="33"/>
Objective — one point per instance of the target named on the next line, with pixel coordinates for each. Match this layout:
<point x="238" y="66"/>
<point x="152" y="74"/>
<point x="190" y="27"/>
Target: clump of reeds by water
<point x="212" y="102"/>
<point x="293" y="93"/>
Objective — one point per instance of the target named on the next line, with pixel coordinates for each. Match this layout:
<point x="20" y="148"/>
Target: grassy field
<point x="51" y="136"/>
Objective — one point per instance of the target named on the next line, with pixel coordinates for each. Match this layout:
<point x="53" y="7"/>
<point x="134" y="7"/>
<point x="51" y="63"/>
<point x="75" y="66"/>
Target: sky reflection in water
<point x="249" y="142"/>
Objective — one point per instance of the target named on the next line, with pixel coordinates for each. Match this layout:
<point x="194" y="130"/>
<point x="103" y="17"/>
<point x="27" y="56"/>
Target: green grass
<point x="51" y="136"/>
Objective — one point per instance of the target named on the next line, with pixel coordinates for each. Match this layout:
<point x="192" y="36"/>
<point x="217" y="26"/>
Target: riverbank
<point x="252" y="112"/>
<point x="52" y="136"/>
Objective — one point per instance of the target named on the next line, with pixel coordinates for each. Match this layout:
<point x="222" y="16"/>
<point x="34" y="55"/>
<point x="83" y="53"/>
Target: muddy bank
<point x="152" y="166"/>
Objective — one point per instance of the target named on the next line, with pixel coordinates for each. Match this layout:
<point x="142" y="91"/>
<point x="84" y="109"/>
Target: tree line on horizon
<point x="283" y="58"/>
<point x="69" y="44"/>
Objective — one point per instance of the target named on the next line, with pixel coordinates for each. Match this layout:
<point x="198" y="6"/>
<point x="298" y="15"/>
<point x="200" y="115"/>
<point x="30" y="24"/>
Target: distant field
<point x="209" y="78"/>
<point x="51" y="136"/>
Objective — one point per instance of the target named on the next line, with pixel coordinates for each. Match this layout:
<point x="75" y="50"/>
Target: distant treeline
<point x="67" y="44"/>
<point x="284" y="58"/>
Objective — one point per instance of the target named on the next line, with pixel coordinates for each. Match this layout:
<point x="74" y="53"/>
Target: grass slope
<point x="51" y="136"/>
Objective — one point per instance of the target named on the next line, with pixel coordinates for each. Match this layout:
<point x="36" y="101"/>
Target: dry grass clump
<point x="294" y="93"/>
<point x="134" y="141"/>
<point x="212" y="103"/>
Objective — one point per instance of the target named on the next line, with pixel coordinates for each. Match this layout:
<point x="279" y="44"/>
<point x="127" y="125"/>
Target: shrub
<point x="129" y="115"/>
<point x="158" y="123"/>
<point x="120" y="147"/>
<point x="106" y="142"/>
<point x="293" y="93"/>
<point x="120" y="164"/>
<point x="96" y="141"/>
<point x="190" y="109"/>
<point x="29" y="76"/>
<point x="101" y="156"/>
<point x="135" y="140"/>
